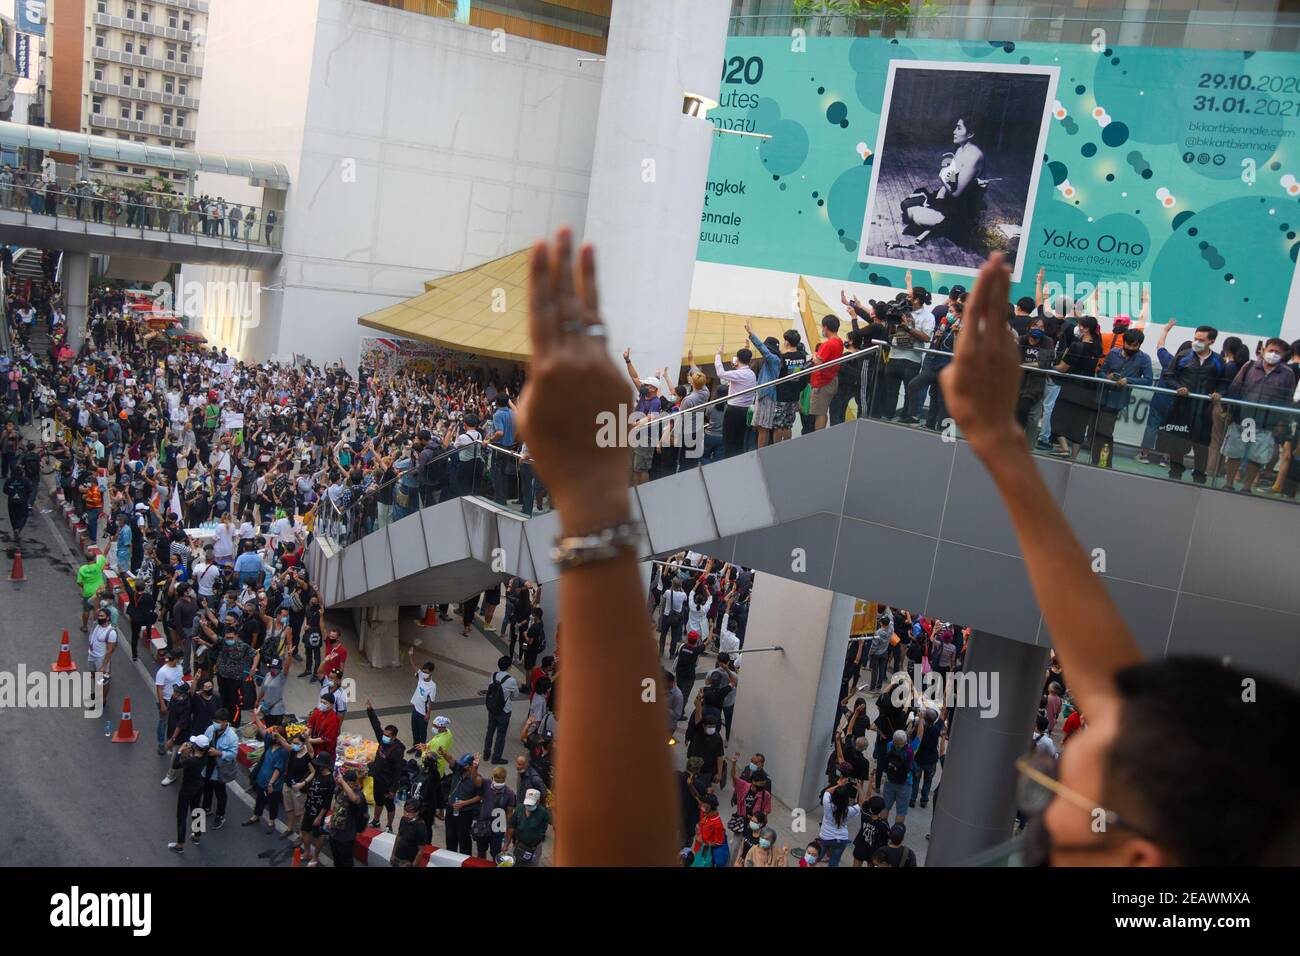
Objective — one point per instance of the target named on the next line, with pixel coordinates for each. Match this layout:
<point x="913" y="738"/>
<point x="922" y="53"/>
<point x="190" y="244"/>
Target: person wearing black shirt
<point x="189" y="759"/>
<point x="388" y="767"/>
<point x="412" y="834"/>
<point x="873" y="834"/>
<point x="1075" y="411"/>
<point x="707" y="745"/>
<point x="897" y="855"/>
<point x="688" y="656"/>
<point x="534" y="642"/>
<point x="889" y="718"/>
<point x="927" y="757"/>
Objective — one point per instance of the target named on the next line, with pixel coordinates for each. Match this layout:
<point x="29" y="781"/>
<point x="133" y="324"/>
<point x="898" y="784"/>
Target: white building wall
<point x="418" y="147"/>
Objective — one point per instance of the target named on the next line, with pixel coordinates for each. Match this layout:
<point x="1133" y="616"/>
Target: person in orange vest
<point x="93" y="500"/>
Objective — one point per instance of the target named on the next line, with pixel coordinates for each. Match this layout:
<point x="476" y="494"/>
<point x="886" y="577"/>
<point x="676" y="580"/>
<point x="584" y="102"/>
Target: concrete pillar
<point x="977" y="805"/>
<point x="785" y="703"/>
<point x="377" y="630"/>
<point x="76" y="294"/>
<point x="649" y="169"/>
<point x="978" y="25"/>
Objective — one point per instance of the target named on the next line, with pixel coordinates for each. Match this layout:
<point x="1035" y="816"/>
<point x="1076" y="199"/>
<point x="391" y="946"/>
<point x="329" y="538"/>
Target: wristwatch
<point x="576" y="550"/>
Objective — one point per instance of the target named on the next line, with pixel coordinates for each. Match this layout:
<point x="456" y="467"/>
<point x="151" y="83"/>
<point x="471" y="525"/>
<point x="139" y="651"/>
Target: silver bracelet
<point x="575" y="551"/>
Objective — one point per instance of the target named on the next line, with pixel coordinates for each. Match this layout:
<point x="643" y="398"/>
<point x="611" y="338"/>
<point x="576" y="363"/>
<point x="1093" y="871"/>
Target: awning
<point x="484" y="311"/>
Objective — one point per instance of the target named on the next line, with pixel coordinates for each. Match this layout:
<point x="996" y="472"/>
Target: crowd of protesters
<point x="136" y="206"/>
<point x="256" y="456"/>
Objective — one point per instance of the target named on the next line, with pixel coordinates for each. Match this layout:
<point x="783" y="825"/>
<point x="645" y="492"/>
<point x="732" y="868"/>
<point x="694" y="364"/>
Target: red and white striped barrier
<point x="375" y="847"/>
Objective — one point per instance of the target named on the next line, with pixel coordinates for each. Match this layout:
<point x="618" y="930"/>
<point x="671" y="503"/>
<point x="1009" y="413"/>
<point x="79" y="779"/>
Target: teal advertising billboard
<point x="1172" y="169"/>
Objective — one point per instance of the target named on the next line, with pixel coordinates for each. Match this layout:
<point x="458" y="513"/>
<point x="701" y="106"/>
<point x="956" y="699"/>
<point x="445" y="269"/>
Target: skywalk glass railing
<point x="168" y="216"/>
<point x="1216" y="441"/>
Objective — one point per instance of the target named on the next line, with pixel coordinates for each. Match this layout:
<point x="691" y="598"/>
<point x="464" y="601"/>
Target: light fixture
<point x="694" y="104"/>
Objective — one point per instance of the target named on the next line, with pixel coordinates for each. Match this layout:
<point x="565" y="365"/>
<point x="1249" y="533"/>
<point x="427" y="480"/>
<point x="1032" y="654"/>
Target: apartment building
<point x="129" y="69"/>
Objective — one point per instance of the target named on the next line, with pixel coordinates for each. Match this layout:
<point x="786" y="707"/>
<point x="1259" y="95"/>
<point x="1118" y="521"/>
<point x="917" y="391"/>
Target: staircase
<point x="27" y="265"/>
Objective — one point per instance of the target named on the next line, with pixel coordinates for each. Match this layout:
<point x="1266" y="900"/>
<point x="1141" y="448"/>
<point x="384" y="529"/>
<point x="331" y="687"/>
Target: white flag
<point x="175" y="506"/>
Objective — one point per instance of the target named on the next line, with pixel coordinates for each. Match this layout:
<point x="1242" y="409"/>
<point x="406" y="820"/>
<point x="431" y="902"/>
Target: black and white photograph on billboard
<point x="957" y="164"/>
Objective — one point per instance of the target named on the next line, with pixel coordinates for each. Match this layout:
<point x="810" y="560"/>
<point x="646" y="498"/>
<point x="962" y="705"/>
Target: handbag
<point x="721" y="855"/>
<point x="524" y="853"/>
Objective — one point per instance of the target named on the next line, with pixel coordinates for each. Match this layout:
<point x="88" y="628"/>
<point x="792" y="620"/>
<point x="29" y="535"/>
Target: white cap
<point x="201" y="741"/>
<point x="532" y="798"/>
<point x="653" y="382"/>
<point x="441" y="722"/>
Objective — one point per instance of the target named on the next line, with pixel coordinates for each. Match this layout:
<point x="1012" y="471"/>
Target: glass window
<point x="144" y="47"/>
<point x="169" y="85"/>
<point x="99" y="72"/>
<point x="126" y="78"/>
<point x="185" y="54"/>
<point x="185" y="25"/>
<point x="142" y="81"/>
<point x="171" y="19"/>
<point x="97" y="105"/>
<point x="145" y="13"/>
<point x="130" y="12"/>
<point x="121" y="169"/>
<point x="139" y="113"/>
<point x="184" y="87"/>
<point x="138" y="170"/>
<point x="180" y="118"/>
<point x="128" y="46"/>
<point x="171" y="51"/>
<point x="99" y="38"/>
<point x="102" y="6"/>
<point x="125" y="111"/>
<point x="167" y="116"/>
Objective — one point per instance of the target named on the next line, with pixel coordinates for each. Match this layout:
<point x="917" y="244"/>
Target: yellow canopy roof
<point x="484" y="311"/>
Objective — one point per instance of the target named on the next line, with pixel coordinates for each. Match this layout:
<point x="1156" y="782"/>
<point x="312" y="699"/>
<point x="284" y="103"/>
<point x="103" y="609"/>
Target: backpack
<point x="496" y="696"/>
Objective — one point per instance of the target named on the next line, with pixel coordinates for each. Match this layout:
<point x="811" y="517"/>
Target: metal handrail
<point x="184" y="232"/>
<point x="1093" y="380"/>
<point x="846" y="357"/>
<point x="445" y="453"/>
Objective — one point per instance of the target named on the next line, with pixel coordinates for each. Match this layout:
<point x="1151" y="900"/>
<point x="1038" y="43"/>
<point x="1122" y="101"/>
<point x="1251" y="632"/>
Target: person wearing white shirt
<point x="223" y="541"/>
<point x="739" y="377"/>
<point x="426" y="692"/>
<point x="102" y="642"/>
<point x="165" y="680"/>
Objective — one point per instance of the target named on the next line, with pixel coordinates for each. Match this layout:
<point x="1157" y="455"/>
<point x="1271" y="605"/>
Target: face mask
<point x="810" y="858"/>
<point x="1035" y="333"/>
<point x="1272" y="358"/>
<point x="498" y="786"/>
<point x="752" y="766"/>
<point x="1199" y="347"/>
<point x="710" y="730"/>
<point x="298" y="748"/>
<point x="753" y="826"/>
<point x="386" y="739"/>
<point x="322" y="706"/>
<point x="765" y="843"/>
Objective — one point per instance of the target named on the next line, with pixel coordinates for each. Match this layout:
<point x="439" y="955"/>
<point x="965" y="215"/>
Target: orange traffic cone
<point x="16" y="572"/>
<point x="297" y="857"/>
<point x="126" y="733"/>
<point x="64" y="663"/>
<point x="430" y="618"/>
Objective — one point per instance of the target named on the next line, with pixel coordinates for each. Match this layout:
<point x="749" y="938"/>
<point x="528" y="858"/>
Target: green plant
<point x="894" y="10"/>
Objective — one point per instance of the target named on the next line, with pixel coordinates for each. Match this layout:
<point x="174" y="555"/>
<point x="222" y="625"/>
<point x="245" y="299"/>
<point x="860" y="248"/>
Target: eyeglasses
<point x="1037" y="786"/>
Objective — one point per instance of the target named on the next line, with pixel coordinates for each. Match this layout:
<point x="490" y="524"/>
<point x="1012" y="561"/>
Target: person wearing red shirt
<point x="825" y="381"/>
<point x="336" y="655"/>
<point x="1072" y="723"/>
<point x="323" y="727"/>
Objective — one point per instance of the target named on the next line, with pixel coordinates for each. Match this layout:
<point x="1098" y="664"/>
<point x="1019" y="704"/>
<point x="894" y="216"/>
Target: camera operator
<point x="911" y="332"/>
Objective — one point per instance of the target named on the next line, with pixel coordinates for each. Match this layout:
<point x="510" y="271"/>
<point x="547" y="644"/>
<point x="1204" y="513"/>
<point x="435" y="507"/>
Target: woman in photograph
<point x="952" y="205"/>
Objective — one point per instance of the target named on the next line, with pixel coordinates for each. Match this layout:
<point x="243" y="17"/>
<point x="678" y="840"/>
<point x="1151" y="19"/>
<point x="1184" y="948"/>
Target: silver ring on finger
<point x="597" y="330"/>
